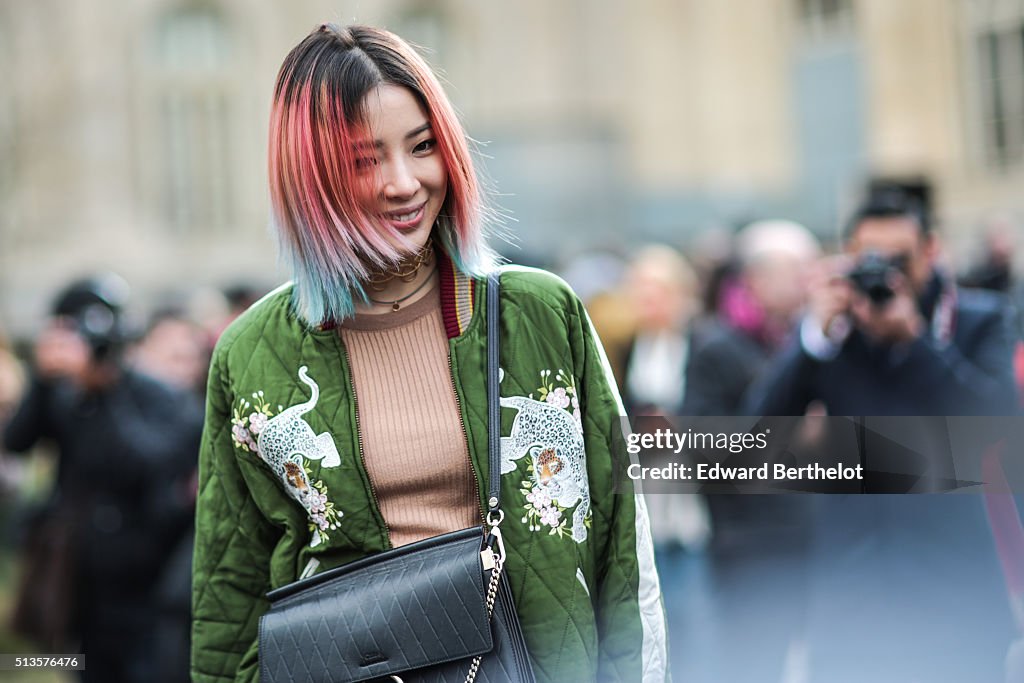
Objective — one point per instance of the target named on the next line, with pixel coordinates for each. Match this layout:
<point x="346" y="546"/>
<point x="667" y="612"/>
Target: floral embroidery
<point x="542" y="510"/>
<point x="249" y="419"/>
<point x="322" y="513"/>
<point x="549" y="429"/>
<point x="286" y="443"/>
<point x="563" y="396"/>
<point x="257" y="421"/>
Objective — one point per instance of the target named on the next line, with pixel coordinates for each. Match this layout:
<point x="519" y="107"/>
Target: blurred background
<point x="132" y="135"/>
<point x="133" y="140"/>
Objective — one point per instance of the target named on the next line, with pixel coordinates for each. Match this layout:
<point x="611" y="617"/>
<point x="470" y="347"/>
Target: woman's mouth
<point x="406" y="219"/>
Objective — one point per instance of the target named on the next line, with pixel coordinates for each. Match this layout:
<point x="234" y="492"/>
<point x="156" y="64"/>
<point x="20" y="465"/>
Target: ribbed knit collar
<point x="406" y="314"/>
<point x="457" y="293"/>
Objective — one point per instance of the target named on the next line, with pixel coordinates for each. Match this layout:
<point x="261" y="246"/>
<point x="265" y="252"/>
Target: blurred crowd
<point x="104" y="553"/>
<point x="769" y="321"/>
<point x="765" y="320"/>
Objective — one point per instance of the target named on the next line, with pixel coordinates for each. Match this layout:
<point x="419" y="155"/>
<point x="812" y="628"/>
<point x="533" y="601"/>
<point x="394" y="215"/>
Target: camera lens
<point x="872" y="274"/>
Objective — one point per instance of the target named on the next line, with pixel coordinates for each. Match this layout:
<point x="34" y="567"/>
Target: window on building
<point x="825" y="19"/>
<point x="191" y="53"/>
<point x="1000" y="59"/>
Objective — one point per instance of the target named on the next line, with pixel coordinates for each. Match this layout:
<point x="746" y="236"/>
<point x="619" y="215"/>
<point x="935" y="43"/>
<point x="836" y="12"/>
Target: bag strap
<point x="493" y="407"/>
<point x="494" y="552"/>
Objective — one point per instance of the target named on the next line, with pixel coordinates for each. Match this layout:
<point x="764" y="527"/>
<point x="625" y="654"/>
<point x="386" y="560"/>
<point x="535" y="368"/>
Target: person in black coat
<point x="946" y="351"/>
<point x="126" y="446"/>
<point x="904" y="587"/>
<point x="754" y="314"/>
<point x="758" y="547"/>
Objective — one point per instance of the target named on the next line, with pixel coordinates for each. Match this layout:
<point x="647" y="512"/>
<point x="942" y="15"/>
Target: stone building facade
<point x="132" y="134"/>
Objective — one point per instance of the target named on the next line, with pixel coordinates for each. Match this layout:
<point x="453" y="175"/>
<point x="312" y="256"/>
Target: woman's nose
<point x="399" y="180"/>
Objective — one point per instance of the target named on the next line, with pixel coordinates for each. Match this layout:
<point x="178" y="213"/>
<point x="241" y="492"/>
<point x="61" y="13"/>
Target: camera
<point x="873" y="273"/>
<point x="93" y="306"/>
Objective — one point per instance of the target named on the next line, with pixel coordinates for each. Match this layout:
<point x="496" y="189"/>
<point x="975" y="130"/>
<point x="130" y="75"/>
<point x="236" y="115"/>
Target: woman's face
<point x="408" y="180"/>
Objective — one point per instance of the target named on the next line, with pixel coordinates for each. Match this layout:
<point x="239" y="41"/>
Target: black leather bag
<point x="438" y="611"/>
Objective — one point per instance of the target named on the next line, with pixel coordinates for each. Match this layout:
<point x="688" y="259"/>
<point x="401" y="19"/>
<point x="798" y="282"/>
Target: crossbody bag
<point x="439" y="610"/>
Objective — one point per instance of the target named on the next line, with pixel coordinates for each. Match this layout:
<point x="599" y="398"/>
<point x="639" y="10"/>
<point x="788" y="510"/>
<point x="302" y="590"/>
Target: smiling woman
<point x="361" y="138"/>
<point x="408" y="180"/>
<point x="346" y="411"/>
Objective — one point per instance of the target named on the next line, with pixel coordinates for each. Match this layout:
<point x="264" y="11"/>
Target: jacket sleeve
<point x="715" y="378"/>
<point x="630" y="615"/>
<point x="785" y="386"/>
<point x="31" y="419"/>
<point x="980" y="383"/>
<point x="233" y="546"/>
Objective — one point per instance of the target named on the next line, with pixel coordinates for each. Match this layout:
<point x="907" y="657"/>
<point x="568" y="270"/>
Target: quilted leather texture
<point x="418" y="608"/>
<point x="506" y="663"/>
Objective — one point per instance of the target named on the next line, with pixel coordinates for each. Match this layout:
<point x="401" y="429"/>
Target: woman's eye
<point x="425" y="146"/>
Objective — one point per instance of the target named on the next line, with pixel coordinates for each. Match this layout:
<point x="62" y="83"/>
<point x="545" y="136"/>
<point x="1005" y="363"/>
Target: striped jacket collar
<point x="457" y="296"/>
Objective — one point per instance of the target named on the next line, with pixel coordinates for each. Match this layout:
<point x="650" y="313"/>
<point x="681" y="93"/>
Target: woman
<point x="371" y="365"/>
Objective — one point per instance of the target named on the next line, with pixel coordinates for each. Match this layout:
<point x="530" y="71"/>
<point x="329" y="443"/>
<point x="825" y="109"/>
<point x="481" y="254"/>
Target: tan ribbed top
<point x="414" y="445"/>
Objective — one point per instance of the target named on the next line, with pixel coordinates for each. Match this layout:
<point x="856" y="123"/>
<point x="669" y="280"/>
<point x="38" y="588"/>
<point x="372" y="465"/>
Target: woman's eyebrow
<point x="379" y="144"/>
<point x="417" y="130"/>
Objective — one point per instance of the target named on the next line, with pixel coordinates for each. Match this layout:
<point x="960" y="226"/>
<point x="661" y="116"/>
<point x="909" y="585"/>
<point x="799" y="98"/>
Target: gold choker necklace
<point x="396" y="303"/>
<point x="405" y="271"/>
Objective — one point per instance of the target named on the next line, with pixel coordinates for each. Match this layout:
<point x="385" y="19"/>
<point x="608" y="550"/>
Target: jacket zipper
<point x="465" y="437"/>
<point x="359" y="439"/>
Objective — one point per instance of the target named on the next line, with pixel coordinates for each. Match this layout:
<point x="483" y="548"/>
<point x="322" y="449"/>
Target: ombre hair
<point x="316" y="122"/>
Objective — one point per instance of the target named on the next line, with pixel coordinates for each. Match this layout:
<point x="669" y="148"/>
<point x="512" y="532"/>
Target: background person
<point x="661" y="292"/>
<point x="889" y="334"/>
<point x="95" y="554"/>
<point x="927" y="348"/>
<point x="757" y="555"/>
<point x="12" y="381"/>
<point x="174" y="351"/>
<point x="755" y="313"/>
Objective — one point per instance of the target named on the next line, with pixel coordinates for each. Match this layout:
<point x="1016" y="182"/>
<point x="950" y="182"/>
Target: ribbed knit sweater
<point x="414" y="445"/>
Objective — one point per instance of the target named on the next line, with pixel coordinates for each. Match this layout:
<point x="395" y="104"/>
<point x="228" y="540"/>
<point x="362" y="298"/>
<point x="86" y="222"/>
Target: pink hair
<point x="316" y="122"/>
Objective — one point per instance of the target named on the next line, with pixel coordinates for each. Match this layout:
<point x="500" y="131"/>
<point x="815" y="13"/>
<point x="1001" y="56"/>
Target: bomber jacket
<point x="580" y="559"/>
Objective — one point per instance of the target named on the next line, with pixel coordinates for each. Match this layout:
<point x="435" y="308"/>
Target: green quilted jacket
<point x="580" y="560"/>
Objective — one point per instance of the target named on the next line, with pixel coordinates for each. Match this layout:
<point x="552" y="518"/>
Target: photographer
<point x="903" y="587"/>
<point x="887" y="333"/>
<point x="126" y="444"/>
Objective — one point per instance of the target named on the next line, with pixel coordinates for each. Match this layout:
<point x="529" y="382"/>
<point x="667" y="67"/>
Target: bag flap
<point x="405" y="609"/>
